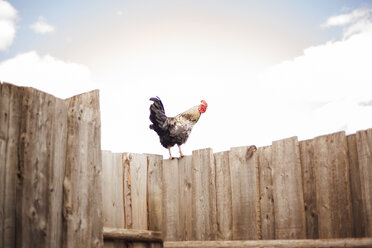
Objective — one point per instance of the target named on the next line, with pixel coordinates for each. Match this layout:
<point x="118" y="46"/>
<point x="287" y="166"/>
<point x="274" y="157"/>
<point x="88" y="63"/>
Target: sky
<point x="268" y="70"/>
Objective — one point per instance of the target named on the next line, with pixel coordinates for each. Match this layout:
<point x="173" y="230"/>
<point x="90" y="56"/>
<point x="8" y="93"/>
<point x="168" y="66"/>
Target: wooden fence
<point x="58" y="189"/>
<point x="312" y="189"/>
<point x="50" y="169"/>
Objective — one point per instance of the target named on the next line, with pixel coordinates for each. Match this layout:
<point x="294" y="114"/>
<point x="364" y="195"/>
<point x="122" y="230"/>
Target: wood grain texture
<point x="132" y="234"/>
<point x="115" y="243"/>
<point x="263" y="158"/>
<point x="224" y="198"/>
<point x="170" y="200"/>
<point x="83" y="220"/>
<point x="127" y="191"/>
<point x="154" y="191"/>
<point x="40" y="172"/>
<point x="137" y="181"/>
<point x="112" y="195"/>
<point x="364" y="146"/>
<point x="10" y="116"/>
<point x="112" y="189"/>
<point x="300" y="243"/>
<point x="356" y="188"/>
<point x="185" y="198"/>
<point x="290" y="220"/>
<point x="332" y="185"/>
<point x="309" y="188"/>
<point x="154" y="194"/>
<point x="138" y="173"/>
<point x="204" y="219"/>
<point x="245" y="194"/>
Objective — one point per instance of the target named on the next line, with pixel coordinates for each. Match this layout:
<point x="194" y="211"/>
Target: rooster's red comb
<point x="204" y="103"/>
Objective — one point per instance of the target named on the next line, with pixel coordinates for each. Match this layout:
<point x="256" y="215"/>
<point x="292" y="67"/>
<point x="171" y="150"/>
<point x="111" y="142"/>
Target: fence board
<point x="245" y="194"/>
<point x="333" y="188"/>
<point x="185" y="197"/>
<point x="288" y="194"/>
<point x="138" y="193"/>
<point x="10" y="114"/>
<point x="154" y="194"/>
<point x="223" y="193"/>
<point x="309" y="188"/>
<point x="40" y="170"/>
<point x="204" y="217"/>
<point x="356" y="188"/>
<point x="154" y="191"/>
<point x="112" y="188"/>
<point x="364" y="146"/>
<point x="56" y="172"/>
<point x="138" y="175"/>
<point x="170" y="200"/>
<point x="263" y="158"/>
<point x="82" y="185"/>
<point x="127" y="189"/>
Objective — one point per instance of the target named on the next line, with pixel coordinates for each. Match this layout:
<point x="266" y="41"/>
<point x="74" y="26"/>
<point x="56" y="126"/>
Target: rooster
<point x="174" y="130"/>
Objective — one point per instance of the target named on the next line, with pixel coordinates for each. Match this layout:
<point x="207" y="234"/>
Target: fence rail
<point x="284" y="243"/>
<point x="132" y="235"/>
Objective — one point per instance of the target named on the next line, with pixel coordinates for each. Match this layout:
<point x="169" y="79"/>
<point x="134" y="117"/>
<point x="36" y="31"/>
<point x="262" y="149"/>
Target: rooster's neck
<point x="191" y="114"/>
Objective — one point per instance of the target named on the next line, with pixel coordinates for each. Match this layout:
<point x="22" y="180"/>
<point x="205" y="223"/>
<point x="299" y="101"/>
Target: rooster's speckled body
<point x="174" y="130"/>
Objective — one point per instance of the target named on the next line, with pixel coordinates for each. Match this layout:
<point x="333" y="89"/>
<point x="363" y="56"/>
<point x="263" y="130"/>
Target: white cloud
<point x="355" y="22"/>
<point x="341" y="20"/>
<point x="46" y="73"/>
<point x="8" y="16"/>
<point x="324" y="90"/>
<point x="42" y="27"/>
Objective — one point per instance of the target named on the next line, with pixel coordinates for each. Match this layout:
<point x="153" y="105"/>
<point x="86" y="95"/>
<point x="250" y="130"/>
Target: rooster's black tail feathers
<point x="157" y="116"/>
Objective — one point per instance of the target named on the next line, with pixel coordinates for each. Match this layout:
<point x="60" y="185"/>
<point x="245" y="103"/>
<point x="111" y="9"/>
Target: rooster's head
<point x="203" y="106"/>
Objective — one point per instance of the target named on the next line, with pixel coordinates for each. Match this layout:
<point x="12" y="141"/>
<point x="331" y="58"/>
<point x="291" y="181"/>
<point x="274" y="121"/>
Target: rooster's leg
<point x="181" y="154"/>
<point x="170" y="154"/>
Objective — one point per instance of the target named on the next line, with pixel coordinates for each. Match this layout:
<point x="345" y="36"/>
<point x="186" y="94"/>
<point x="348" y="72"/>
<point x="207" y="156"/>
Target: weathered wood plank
<point x="263" y="158"/>
<point x="245" y="193"/>
<point x="290" y="220"/>
<point x="154" y="194"/>
<point x="56" y="173"/>
<point x="82" y="185"/>
<point x="138" y="191"/>
<point x="356" y="188"/>
<point x="40" y="174"/>
<point x="112" y="189"/>
<point x="297" y="243"/>
<point x="224" y="198"/>
<point x="364" y="146"/>
<point x="127" y="191"/>
<point x="138" y="174"/>
<point x="204" y="219"/>
<point x="185" y="197"/>
<point x="154" y="191"/>
<point x="170" y="200"/>
<point x="10" y="115"/>
<point x="332" y="185"/>
<point x="309" y="188"/>
<point x="132" y="234"/>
